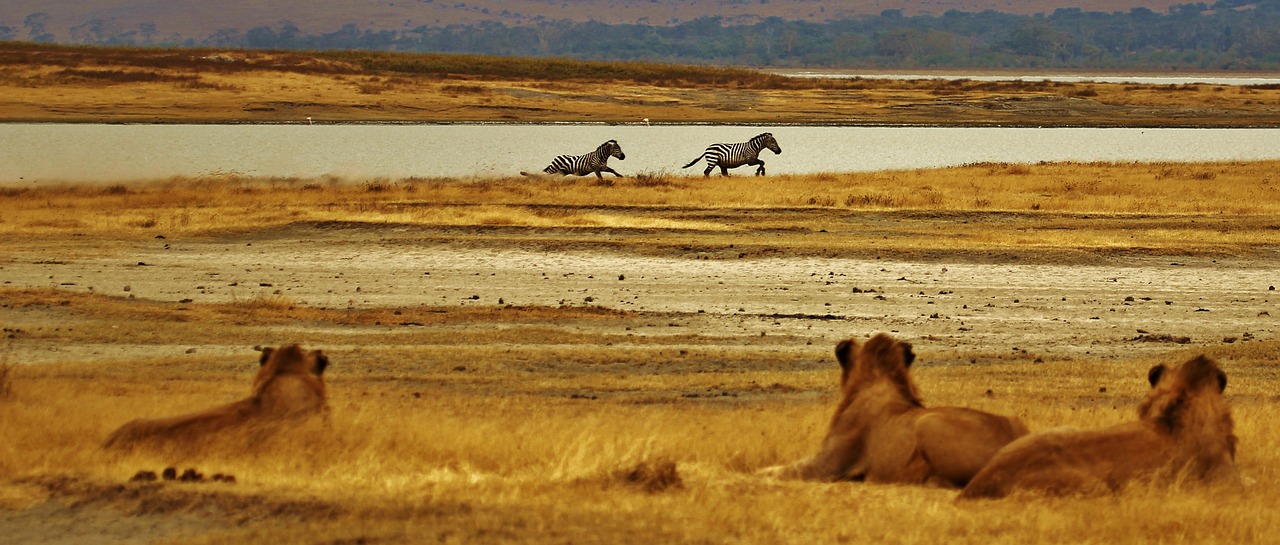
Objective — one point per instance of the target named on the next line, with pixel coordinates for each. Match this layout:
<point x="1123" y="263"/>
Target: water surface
<point x="42" y="153"/>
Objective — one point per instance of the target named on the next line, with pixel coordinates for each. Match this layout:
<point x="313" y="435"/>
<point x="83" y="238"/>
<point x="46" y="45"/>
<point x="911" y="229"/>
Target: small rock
<point x="143" y="476"/>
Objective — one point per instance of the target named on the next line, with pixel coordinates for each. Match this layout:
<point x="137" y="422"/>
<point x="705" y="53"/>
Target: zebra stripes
<point x="582" y="165"/>
<point x="727" y="156"/>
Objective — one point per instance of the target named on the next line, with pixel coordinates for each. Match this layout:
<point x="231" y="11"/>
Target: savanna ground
<point x="571" y="361"/>
<point x="109" y="85"/>
<point x="558" y="361"/>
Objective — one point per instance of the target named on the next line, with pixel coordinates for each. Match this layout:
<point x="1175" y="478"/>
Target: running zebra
<point x="727" y="156"/>
<point x="582" y="165"/>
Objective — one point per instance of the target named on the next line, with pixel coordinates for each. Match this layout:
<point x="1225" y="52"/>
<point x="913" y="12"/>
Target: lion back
<point x="288" y="385"/>
<point x="1184" y="430"/>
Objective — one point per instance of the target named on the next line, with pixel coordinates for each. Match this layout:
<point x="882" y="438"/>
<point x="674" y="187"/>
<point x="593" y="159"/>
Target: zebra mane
<point x="760" y="140"/>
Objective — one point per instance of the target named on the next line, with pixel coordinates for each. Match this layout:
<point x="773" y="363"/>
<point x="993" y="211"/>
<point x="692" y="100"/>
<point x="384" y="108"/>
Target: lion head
<point x="1186" y="403"/>
<point x="289" y="380"/>
<point x="288" y="386"/>
<point x="882" y="360"/>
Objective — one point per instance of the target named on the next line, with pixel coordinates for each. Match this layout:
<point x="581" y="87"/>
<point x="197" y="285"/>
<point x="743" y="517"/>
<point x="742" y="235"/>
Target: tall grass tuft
<point x="6" y="368"/>
<point x="652" y="179"/>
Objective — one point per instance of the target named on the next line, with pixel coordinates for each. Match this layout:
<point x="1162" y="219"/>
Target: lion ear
<point x="908" y="356"/>
<point x="266" y="355"/>
<point x="322" y="361"/>
<point x="844" y="353"/>
<point x="1222" y="381"/>
<point x="1153" y="376"/>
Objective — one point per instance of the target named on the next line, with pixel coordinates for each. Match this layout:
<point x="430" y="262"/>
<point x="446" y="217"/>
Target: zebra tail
<point x="693" y="162"/>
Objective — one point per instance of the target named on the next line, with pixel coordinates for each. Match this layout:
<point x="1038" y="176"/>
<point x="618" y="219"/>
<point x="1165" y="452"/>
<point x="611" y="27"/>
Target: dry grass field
<point x="560" y="361"/>
<point x="108" y="85"/>
<point x="578" y="361"/>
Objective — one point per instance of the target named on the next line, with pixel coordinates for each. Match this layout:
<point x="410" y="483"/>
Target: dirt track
<point x="1105" y="308"/>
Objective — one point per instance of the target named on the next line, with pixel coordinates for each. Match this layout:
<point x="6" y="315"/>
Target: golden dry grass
<point x="1226" y="208"/>
<point x="90" y="84"/>
<point x="562" y="424"/>
<point x="422" y="455"/>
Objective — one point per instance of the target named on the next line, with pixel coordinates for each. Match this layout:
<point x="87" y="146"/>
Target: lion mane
<point x="1184" y="431"/>
<point x="882" y="432"/>
<point x="288" y="386"/>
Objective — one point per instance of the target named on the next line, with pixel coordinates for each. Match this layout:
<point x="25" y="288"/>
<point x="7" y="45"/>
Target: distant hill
<point x="173" y="21"/>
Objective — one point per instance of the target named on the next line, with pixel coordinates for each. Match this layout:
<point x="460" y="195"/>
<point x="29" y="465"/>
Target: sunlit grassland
<point x="44" y="83"/>
<point x="553" y="425"/>
<point x="1082" y="206"/>
<point x="413" y="451"/>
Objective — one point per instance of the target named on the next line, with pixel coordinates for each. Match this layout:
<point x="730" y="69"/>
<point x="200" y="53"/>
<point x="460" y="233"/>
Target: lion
<point x="883" y="433"/>
<point x="1184" y="431"/>
<point x="288" y="386"/>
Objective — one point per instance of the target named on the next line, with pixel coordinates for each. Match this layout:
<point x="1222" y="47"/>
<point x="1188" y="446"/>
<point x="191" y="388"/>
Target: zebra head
<point x="611" y="149"/>
<point x="765" y="140"/>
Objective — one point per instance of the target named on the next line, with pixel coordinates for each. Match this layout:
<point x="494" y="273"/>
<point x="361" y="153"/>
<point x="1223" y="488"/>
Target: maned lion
<point x="288" y="385"/>
<point x="881" y="431"/>
<point x="1184" y="430"/>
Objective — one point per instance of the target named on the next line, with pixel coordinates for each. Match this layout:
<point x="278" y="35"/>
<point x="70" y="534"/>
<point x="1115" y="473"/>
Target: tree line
<point x="1225" y="35"/>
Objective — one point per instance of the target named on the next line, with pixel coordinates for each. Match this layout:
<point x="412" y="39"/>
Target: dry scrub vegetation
<point x="92" y="84"/>
<point x="1161" y="208"/>
<point x="543" y="424"/>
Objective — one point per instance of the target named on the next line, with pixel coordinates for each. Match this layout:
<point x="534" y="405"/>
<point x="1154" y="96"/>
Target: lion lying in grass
<point x="1184" y="431"/>
<point x="881" y="431"/>
<point x="288" y="386"/>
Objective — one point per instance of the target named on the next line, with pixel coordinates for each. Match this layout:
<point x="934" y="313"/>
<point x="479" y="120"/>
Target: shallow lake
<point x="43" y="153"/>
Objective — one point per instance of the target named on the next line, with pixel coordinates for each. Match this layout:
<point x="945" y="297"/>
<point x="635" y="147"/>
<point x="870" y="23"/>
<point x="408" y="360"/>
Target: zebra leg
<point x="608" y="169"/>
<point x="724" y="170"/>
<point x="760" y="169"/>
<point x="707" y="173"/>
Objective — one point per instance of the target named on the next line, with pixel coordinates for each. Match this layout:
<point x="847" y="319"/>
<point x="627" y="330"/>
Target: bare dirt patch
<point x="1016" y="306"/>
